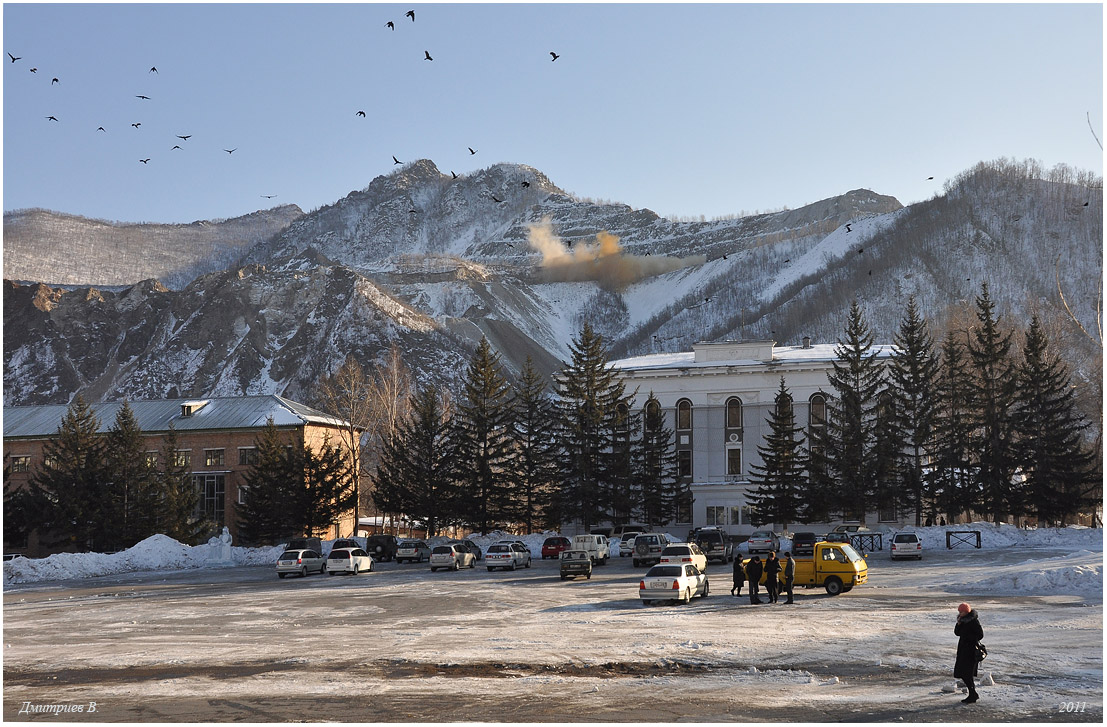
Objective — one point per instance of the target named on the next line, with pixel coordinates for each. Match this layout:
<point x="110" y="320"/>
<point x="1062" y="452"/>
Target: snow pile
<point x="1075" y="537"/>
<point x="157" y="552"/>
<point x="1081" y="573"/>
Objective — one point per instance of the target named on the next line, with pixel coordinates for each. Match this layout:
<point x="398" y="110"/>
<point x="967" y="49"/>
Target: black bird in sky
<point x="1085" y="204"/>
<point x="471" y="150"/>
<point x="410" y="14"/>
<point x="144" y="160"/>
<point x="54" y="80"/>
<point x="555" y="56"/>
<point x="396" y="160"/>
<point x="175" y="146"/>
<point x="153" y="69"/>
<point x="101" y="128"/>
<point x="269" y="196"/>
<point x="231" y="151"/>
<point x="526" y="184"/>
<point x="360" y="113"/>
<point x="724" y="257"/>
<point x="51" y="118"/>
<point x="452" y="172"/>
<point x="930" y="178"/>
<point x="15" y="58"/>
<point x="390" y="25"/>
<point x="427" y="56"/>
<point x="137" y="125"/>
<point x="494" y="198"/>
<point x="147" y="98"/>
<point x="848" y="227"/>
<point x="184" y="138"/>
<point x="860" y="250"/>
<point x="34" y="70"/>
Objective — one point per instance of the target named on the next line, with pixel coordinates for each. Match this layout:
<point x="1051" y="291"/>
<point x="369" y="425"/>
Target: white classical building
<point x="717" y="399"/>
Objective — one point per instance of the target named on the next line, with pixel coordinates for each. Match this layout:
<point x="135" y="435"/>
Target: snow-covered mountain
<point x="434" y="262"/>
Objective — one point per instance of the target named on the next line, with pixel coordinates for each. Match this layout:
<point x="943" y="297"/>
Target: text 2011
<point x="1073" y="706"/>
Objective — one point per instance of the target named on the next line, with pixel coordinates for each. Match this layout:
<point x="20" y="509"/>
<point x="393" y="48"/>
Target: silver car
<point x="508" y="556"/>
<point x="453" y="556"/>
<point x="349" y="560"/>
<point x="413" y="551"/>
<point x="762" y="541"/>
<point x="300" y="561"/>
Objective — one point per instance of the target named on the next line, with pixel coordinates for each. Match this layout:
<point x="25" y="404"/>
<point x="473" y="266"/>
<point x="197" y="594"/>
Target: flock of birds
<point x="185" y="137"/>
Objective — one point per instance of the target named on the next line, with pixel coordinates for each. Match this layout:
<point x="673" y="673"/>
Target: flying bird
<point x="34" y="70"/>
<point x="360" y="113"/>
<point x="452" y="172"/>
<point x="860" y="250"/>
<point x="231" y="151"/>
<point x="848" y="227"/>
<point x="184" y="138"/>
<point x="413" y="212"/>
<point x="390" y="25"/>
<point x="51" y="118"/>
<point x="724" y="257"/>
<point x="410" y="14"/>
<point x="101" y="128"/>
<point x="427" y="56"/>
<point x="53" y="81"/>
<point x="269" y="196"/>
<point x="15" y="58"/>
<point x="137" y="125"/>
<point x="1085" y="204"/>
<point x="153" y="69"/>
<point x="142" y="97"/>
<point x="396" y="160"/>
<point x="930" y="177"/>
<point x="175" y="146"/>
<point x="144" y="160"/>
<point x="555" y="56"/>
<point x="526" y="184"/>
<point x="471" y="150"/>
<point x="494" y="198"/>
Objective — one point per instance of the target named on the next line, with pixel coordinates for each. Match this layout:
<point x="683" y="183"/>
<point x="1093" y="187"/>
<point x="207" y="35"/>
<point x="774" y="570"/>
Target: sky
<point x="687" y="110"/>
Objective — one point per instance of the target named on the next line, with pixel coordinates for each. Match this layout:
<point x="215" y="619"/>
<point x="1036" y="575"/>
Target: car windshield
<point x="761" y="534"/>
<point x="851" y="553"/>
<point x="664" y="570"/>
<point x="289" y="555"/>
<point x="442" y="550"/>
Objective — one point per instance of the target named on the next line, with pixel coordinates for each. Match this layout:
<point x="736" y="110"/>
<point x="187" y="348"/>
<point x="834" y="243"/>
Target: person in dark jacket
<point x="789" y="575"/>
<point x="753" y="573"/>
<point x="772" y="580"/>
<point x="739" y="577"/>
<point x="970" y="632"/>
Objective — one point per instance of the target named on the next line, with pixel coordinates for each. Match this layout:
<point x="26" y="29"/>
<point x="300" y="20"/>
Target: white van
<point x="598" y="547"/>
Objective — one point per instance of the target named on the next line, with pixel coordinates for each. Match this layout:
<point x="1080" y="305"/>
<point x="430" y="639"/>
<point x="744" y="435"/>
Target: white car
<point x="452" y="556"/>
<point x="508" y="556"/>
<point x="673" y="582"/>
<point x="907" y="545"/>
<point x="519" y="542"/>
<point x="597" y="546"/>
<point x="300" y="561"/>
<point x="648" y="547"/>
<point x="349" y="560"/>
<point x="626" y="545"/>
<point x="685" y="553"/>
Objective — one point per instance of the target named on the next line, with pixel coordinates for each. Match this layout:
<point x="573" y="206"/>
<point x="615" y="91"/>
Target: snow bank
<point x="1074" y="537"/>
<point x="1079" y="573"/>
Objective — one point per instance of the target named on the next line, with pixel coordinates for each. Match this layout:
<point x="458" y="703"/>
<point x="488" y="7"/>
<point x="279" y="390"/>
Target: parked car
<point x="803" y="544"/>
<point x="762" y="541"/>
<point x="626" y="545"/>
<point x="412" y="551"/>
<point x="555" y="546"/>
<point x="382" y="547"/>
<point x="576" y="563"/>
<point x="673" y="582"/>
<point x="648" y="547"/>
<point x="516" y="541"/>
<point x="305" y="544"/>
<point x="468" y="545"/>
<point x="850" y="528"/>
<point x="715" y="544"/>
<point x="452" y="556"/>
<point x="837" y="567"/>
<point x="907" y="545"/>
<point x="684" y="553"/>
<point x="301" y="561"/>
<point x="508" y="556"/>
<point x="837" y="538"/>
<point x="348" y="560"/>
<point x="596" y="545"/>
<point x="347" y="543"/>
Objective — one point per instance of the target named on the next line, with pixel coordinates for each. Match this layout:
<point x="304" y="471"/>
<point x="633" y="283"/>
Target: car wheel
<point x="457" y="566"/>
<point x="303" y="572"/>
<point x="356" y="569"/>
<point x="512" y="565"/>
<point x="472" y="564"/>
<point x="564" y="577"/>
<point x="706" y="589"/>
<point x="687" y="597"/>
<point x="833" y="585"/>
<point x="281" y="575"/>
<point x="589" y="576"/>
<point x="528" y="563"/>
<point x="331" y="573"/>
<point x="433" y="569"/>
<point x="323" y="568"/>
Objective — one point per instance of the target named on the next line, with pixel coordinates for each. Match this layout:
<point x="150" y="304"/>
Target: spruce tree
<point x="656" y="471"/>
<point x="534" y="466"/>
<point x="994" y="386"/>
<point x="589" y="394"/>
<point x="134" y="501"/>
<point x="415" y="475"/>
<point x="327" y="491"/>
<point x="264" y="516"/>
<point x="951" y="481"/>
<point x="178" y="515"/>
<point x="857" y="379"/>
<point x="781" y="478"/>
<point x="483" y="439"/>
<point x="71" y="490"/>
<point x="886" y="457"/>
<point x="1055" y="458"/>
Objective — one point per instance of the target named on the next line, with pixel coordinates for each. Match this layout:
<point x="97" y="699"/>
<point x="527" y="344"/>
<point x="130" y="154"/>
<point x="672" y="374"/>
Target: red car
<point x="553" y="547"/>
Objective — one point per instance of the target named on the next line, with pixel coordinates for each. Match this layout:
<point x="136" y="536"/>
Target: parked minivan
<point x="305" y="544"/>
<point x="599" y="550"/>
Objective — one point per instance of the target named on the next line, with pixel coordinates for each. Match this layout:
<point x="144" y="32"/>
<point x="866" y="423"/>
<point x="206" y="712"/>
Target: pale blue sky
<point x="684" y="109"/>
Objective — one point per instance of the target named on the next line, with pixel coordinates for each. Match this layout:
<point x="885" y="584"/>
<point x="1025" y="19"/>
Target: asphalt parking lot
<point x="403" y="644"/>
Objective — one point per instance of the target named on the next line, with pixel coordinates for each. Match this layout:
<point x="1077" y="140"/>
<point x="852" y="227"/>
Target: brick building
<point x="216" y="441"/>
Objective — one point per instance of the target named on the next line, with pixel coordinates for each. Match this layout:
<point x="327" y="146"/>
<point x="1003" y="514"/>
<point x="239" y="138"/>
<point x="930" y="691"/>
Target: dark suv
<point x="382" y="547"/>
<point x="715" y="544"/>
<point x="804" y="543"/>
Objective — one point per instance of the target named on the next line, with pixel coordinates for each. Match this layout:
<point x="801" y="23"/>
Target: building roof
<point x="215" y="413"/>
<point x="751" y="354"/>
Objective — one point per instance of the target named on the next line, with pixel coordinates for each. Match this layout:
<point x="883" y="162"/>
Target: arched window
<point x="734" y="413"/>
<point x="817" y="416"/>
<point x="784" y="405"/>
<point x="622" y="416"/>
<point x="684" y="414"/>
<point x="653" y="415"/>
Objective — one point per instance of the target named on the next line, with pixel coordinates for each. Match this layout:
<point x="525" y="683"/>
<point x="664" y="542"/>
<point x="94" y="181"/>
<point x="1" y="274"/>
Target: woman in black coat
<point x="739" y="577"/>
<point x="969" y="629"/>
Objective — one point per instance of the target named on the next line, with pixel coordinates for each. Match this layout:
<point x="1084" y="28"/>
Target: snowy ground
<point x="402" y="644"/>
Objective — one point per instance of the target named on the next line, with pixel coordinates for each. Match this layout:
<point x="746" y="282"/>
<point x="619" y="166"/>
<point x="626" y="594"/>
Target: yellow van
<point x="837" y="567"/>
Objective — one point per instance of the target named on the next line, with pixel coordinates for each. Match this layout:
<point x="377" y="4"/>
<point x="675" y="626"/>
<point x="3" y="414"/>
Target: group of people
<point x="754" y="569"/>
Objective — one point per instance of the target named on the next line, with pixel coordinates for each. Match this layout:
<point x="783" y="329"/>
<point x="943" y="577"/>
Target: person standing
<point x="753" y="573"/>
<point x="789" y="575"/>
<point x="772" y="580"/>
<point x="739" y="576"/>
<point x="971" y="633"/>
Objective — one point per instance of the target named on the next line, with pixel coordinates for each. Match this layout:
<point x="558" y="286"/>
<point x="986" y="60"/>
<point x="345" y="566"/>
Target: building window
<point x="734" y="460"/>
<point x="747" y="516"/>
<point x="684" y="463"/>
<point x="151" y="459"/>
<point x="684" y="414"/>
<point x="622" y="417"/>
<point x="213" y="457"/>
<point x="22" y="463"/>
<point x="716" y="515"/>
<point x="50" y="462"/>
<point x="817" y="417"/>
<point x="734" y="413"/>
<point x="242" y="494"/>
<point x="684" y="508"/>
<point x="183" y="458"/>
<point x="248" y="456"/>
<point x="735" y="515"/>
<point x="212" y="489"/>
<point x="653" y="416"/>
<point x="784" y="406"/>
<point x="887" y="513"/>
